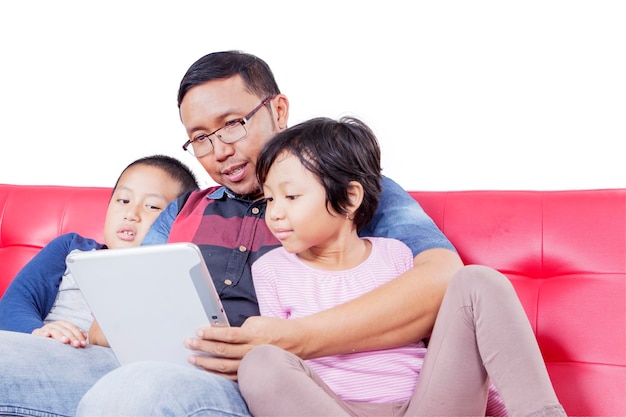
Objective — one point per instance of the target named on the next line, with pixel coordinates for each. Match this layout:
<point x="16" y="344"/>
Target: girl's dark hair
<point x="336" y="152"/>
<point x="256" y="74"/>
<point x="172" y="166"/>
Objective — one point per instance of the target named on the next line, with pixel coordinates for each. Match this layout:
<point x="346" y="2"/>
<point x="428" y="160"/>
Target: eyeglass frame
<point x="242" y="121"/>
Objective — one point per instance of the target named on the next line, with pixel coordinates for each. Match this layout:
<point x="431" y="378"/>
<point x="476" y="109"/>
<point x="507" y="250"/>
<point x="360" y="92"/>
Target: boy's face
<point x="297" y="213"/>
<point x="142" y="193"/>
<point x="209" y="106"/>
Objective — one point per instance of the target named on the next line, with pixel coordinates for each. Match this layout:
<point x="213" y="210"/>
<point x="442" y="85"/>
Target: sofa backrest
<point x="564" y="251"/>
<point x="33" y="215"/>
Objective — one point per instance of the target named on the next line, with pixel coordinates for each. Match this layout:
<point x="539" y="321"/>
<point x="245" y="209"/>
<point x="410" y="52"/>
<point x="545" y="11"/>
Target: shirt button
<point x="255" y="210"/>
<point x="242" y="248"/>
<point x="228" y="282"/>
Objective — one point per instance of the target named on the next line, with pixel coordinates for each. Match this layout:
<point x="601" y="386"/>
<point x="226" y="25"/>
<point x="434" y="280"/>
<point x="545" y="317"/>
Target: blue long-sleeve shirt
<point x="32" y="293"/>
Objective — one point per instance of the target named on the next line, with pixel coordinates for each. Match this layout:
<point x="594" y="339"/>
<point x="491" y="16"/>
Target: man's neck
<point x="257" y="195"/>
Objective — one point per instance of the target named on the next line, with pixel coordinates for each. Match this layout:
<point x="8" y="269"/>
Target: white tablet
<point x="148" y="299"/>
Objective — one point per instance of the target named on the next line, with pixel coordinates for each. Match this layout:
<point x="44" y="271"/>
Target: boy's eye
<point x="123" y="201"/>
<point x="291" y="197"/>
<point x="150" y="207"/>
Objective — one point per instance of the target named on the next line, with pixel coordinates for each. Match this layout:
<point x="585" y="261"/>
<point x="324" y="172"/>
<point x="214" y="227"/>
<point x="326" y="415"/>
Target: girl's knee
<point x="258" y="371"/>
<point x="259" y="356"/>
<point x="257" y="364"/>
<point x="481" y="278"/>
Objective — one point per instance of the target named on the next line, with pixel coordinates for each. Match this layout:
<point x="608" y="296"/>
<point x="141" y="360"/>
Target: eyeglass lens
<point x="227" y="134"/>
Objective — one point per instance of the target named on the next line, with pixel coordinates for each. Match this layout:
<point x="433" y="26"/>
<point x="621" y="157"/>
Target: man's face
<point x="209" y="106"/>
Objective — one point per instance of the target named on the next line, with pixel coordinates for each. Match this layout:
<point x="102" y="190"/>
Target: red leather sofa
<point x="564" y="251"/>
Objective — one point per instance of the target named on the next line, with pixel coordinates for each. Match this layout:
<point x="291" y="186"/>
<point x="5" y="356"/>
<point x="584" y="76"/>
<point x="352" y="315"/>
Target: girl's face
<point x="297" y="213"/>
<point x="142" y="193"/>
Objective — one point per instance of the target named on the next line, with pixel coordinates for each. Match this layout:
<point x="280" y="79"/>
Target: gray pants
<point x="481" y="334"/>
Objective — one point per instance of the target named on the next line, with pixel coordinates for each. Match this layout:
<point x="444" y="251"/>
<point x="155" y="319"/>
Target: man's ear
<point x="355" y="195"/>
<point x="280" y="111"/>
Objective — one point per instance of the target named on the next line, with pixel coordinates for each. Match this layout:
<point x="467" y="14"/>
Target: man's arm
<point x="159" y="231"/>
<point x="400" y="312"/>
<point x="394" y="314"/>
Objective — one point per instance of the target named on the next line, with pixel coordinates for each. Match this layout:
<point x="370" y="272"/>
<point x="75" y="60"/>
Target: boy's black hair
<point x="177" y="170"/>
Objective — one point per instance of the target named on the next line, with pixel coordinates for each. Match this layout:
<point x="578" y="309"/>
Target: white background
<point x="462" y="94"/>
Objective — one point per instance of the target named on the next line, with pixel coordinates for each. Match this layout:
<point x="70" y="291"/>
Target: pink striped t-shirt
<point x="288" y="288"/>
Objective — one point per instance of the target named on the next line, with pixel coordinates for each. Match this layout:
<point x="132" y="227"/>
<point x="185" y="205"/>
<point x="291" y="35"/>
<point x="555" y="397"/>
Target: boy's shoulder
<point x="73" y="241"/>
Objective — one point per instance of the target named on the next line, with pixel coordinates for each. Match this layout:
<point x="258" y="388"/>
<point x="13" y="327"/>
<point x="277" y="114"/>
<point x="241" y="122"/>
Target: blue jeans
<point x="45" y="378"/>
<point x="162" y="389"/>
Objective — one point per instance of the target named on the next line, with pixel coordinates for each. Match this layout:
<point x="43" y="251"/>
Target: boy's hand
<point x="64" y="332"/>
<point x="96" y="337"/>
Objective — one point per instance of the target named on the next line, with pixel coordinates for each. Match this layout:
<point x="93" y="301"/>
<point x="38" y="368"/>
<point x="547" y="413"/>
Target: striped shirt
<point x="231" y="234"/>
<point x="288" y="288"/>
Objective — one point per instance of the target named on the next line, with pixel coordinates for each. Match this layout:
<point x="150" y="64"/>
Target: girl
<point x="321" y="180"/>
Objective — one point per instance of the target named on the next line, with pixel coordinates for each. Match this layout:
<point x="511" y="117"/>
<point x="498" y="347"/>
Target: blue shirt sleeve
<point x="31" y="294"/>
<point x="159" y="232"/>
<point x="400" y="217"/>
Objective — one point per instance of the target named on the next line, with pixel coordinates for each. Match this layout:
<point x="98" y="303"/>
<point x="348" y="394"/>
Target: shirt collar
<point x="222" y="192"/>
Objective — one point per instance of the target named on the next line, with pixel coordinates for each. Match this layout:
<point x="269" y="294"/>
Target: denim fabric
<point x="160" y="229"/>
<point x="45" y="378"/>
<point x="400" y="217"/>
<point x="162" y="389"/>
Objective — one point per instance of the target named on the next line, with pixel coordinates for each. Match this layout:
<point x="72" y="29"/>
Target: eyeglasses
<point x="231" y="132"/>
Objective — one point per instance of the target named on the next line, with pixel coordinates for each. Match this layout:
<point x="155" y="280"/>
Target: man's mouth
<point x="235" y="174"/>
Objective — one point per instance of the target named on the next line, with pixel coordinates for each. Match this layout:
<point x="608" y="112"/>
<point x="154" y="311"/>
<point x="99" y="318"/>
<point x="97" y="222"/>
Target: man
<point x="231" y="106"/>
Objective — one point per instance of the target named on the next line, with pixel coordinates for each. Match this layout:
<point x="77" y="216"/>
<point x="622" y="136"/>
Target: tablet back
<point x="148" y="299"/>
